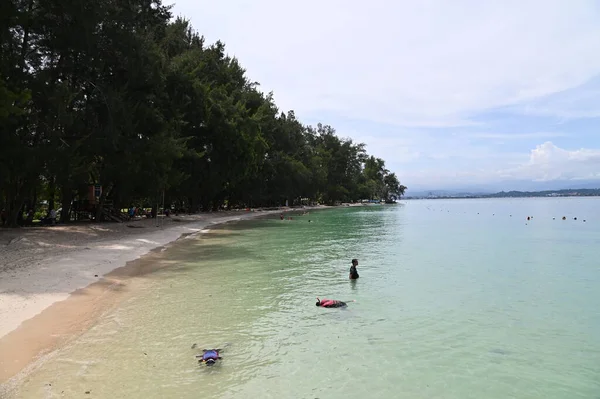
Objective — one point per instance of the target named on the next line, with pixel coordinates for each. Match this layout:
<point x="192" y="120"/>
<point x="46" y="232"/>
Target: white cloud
<point x="515" y="136"/>
<point x="546" y="162"/>
<point x="430" y="64"/>
<point x="549" y="162"/>
<point x="408" y="146"/>
<point x="412" y="63"/>
<point x="399" y="150"/>
<point x="580" y="102"/>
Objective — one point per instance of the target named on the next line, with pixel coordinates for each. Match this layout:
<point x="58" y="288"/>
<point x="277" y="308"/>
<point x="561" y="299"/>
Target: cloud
<point x="445" y="92"/>
<point x="424" y="63"/>
<point x="549" y="162"/>
<point x="396" y="149"/>
<point x="546" y="162"/>
<point x="515" y="136"/>
<point x="579" y="102"/>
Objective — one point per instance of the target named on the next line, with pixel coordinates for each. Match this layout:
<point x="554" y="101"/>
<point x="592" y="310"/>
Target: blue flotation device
<point x="210" y="356"/>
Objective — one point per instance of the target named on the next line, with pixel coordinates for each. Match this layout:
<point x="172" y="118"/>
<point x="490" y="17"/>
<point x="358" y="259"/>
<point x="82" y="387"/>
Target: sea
<point x="461" y="298"/>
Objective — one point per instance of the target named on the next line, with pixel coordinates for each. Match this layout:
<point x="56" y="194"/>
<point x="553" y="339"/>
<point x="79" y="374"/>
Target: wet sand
<point x="56" y="282"/>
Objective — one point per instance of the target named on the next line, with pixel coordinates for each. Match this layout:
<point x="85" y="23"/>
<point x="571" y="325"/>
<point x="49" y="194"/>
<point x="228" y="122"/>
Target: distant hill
<point x="525" y="186"/>
<point x="580" y="192"/>
<point x="444" y="193"/>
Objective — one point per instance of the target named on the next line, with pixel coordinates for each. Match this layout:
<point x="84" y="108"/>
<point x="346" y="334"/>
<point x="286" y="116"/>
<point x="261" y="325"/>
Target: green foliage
<point x="121" y="95"/>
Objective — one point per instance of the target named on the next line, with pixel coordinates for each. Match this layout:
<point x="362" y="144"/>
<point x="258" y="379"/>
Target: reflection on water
<point x="456" y="299"/>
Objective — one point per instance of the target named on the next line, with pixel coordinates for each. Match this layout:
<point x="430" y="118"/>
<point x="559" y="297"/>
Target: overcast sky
<point x="449" y="93"/>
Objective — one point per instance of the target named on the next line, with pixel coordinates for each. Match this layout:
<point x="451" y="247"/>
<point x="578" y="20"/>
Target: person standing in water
<point x="353" y="273"/>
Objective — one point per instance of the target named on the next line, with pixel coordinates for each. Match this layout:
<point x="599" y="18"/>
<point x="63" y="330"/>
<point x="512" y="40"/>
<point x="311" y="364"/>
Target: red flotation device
<point x="330" y="303"/>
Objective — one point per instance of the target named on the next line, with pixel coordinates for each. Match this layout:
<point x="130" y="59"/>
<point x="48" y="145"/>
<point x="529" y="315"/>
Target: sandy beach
<point x="42" y="267"/>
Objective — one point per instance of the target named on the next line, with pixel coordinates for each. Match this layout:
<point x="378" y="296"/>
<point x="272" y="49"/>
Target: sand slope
<point x="43" y="265"/>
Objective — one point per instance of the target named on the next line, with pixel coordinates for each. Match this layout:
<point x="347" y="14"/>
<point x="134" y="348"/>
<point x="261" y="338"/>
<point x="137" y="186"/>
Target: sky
<point x="449" y="93"/>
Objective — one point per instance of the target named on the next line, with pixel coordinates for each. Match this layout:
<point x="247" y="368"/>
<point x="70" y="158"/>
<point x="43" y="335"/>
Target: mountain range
<point x="513" y="185"/>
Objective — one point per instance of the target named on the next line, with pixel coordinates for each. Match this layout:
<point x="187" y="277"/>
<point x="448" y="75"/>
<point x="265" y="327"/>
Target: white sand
<point x="43" y="265"/>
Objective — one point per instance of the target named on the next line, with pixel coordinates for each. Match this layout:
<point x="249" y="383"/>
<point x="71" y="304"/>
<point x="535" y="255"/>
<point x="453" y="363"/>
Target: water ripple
<point x="451" y="303"/>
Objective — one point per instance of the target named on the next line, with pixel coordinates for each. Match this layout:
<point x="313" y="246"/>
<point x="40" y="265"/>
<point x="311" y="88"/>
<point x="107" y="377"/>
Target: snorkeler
<point x="209" y="356"/>
<point x="330" y="303"/>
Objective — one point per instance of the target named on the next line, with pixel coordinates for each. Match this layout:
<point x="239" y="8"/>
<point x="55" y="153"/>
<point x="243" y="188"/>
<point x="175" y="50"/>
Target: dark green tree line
<point x="118" y="94"/>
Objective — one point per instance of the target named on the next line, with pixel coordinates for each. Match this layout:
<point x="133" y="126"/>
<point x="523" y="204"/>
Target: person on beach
<point x="131" y="212"/>
<point x="353" y="273"/>
<point x="29" y="220"/>
<point x="50" y="218"/>
<point x="330" y="303"/>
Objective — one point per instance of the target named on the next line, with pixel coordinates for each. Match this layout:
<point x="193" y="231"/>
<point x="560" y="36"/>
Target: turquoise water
<point x="456" y="299"/>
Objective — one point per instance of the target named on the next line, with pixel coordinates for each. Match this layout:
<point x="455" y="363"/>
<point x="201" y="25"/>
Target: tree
<point x="393" y="189"/>
<point x="119" y="94"/>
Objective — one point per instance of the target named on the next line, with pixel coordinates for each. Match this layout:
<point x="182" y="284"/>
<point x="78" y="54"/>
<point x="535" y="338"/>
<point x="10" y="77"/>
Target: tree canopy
<point x="122" y="96"/>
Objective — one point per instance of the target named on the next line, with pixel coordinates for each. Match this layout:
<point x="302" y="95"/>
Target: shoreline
<point x="52" y="291"/>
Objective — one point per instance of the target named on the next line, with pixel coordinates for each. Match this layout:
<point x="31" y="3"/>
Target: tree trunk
<point x="194" y="205"/>
<point x="66" y="198"/>
<point x="13" y="213"/>
<point x="14" y="205"/>
<point x="20" y="214"/>
<point x="52" y="193"/>
<point x="101" y="201"/>
<point x="34" y="200"/>
<point x="204" y="205"/>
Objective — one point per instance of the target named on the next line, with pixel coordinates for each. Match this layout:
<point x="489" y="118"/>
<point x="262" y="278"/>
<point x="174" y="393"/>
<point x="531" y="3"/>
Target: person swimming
<point x="209" y="356"/>
<point x="330" y="303"/>
<point x="353" y="273"/>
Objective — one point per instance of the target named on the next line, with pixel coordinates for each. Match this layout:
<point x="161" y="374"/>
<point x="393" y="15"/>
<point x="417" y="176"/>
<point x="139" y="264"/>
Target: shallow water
<point x="456" y="299"/>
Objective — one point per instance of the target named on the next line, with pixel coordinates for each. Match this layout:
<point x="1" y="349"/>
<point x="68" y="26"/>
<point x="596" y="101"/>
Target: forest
<point x="109" y="104"/>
